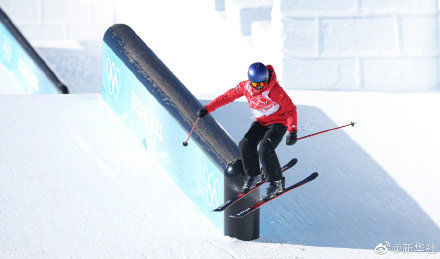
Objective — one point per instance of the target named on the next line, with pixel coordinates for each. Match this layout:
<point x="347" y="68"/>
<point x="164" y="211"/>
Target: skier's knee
<point x="265" y="147"/>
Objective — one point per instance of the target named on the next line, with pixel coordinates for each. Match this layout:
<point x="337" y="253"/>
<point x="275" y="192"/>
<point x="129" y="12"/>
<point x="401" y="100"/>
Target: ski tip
<point x="352" y="123"/>
<point x="293" y="161"/>
<point x="221" y="208"/>
<point x="314" y="175"/>
<point x="290" y="164"/>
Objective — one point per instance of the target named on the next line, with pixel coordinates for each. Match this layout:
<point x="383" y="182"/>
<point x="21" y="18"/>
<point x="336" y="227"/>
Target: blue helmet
<point x="258" y="72"/>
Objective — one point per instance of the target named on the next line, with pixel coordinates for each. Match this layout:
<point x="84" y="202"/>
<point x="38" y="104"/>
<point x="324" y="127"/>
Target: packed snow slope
<point x="76" y="182"/>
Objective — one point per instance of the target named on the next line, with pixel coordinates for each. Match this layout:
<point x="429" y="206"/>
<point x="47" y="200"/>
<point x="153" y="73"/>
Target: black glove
<point x="202" y="113"/>
<point x="291" y="138"/>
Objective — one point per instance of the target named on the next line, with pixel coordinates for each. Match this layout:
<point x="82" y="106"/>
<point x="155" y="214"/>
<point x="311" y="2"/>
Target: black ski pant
<point x="268" y="137"/>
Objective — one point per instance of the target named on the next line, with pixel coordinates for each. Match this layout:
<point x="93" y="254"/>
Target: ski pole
<point x="186" y="142"/>
<point x="351" y="123"/>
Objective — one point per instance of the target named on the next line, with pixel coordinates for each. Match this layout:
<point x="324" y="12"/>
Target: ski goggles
<point x="258" y="85"/>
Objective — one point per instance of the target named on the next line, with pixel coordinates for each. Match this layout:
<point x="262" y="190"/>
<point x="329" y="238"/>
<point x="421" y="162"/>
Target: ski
<point x="241" y="195"/>
<point x="262" y="202"/>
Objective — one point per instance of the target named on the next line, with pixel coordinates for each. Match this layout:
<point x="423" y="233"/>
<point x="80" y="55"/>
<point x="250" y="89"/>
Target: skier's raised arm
<point x="228" y="97"/>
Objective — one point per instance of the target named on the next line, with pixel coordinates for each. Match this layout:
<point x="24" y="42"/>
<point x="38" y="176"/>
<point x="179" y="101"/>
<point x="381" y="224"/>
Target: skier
<point x="275" y="114"/>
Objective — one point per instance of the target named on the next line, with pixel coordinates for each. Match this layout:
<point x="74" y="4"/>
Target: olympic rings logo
<point x="113" y="78"/>
<point x="212" y="189"/>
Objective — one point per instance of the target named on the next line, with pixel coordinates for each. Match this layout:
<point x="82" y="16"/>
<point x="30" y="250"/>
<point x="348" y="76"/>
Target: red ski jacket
<point x="270" y="104"/>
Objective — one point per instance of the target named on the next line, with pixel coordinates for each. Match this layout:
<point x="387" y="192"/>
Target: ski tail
<point x="262" y="202"/>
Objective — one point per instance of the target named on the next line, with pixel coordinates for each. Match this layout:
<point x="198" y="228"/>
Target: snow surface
<point x="75" y="182"/>
<point x="78" y="183"/>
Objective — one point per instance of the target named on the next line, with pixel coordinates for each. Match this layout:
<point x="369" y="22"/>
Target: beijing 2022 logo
<point x="212" y="189"/>
<point x="113" y="78"/>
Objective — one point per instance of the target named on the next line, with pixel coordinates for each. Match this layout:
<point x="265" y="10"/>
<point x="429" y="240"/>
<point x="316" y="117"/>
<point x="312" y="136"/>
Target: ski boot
<point x="251" y="181"/>
<point x="275" y="188"/>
